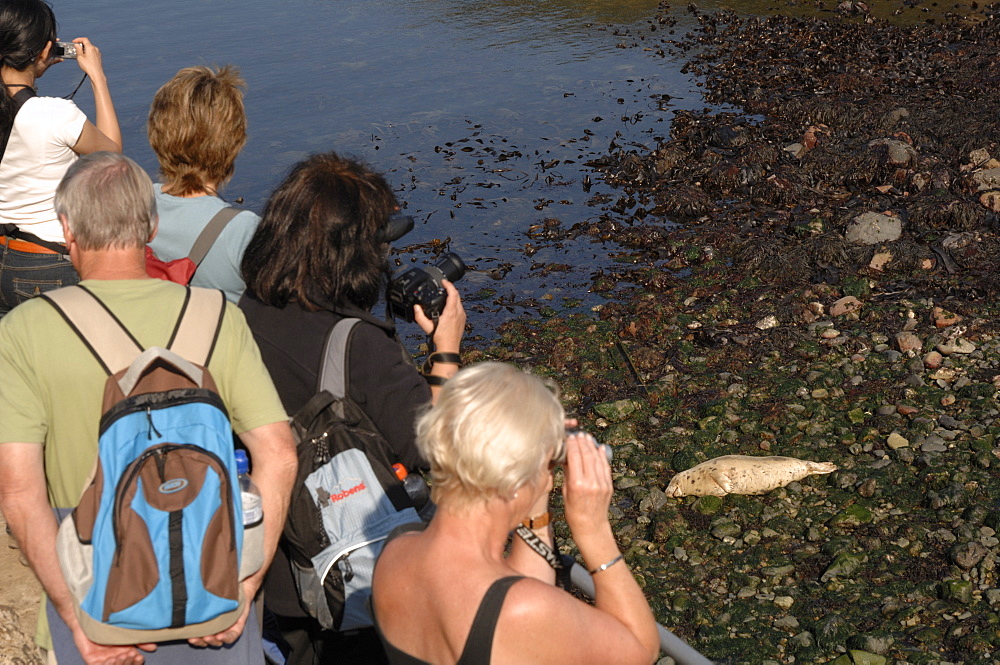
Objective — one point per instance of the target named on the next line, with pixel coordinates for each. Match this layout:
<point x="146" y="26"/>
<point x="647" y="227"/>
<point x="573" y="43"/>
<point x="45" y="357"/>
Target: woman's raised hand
<point x="88" y="58"/>
<point x="587" y="488"/>
<point x="450" y="324"/>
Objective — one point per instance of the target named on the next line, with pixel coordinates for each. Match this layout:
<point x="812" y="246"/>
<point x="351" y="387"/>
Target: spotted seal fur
<point x="743" y="474"/>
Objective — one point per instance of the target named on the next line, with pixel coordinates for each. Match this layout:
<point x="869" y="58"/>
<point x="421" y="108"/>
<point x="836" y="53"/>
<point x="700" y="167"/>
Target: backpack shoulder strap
<point x="334" y="370"/>
<point x="20" y="97"/>
<point x="211" y="233"/>
<point x="100" y="330"/>
<point x="198" y="325"/>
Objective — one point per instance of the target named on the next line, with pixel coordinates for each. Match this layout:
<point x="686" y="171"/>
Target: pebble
<point x="908" y="342"/>
<point x="933" y="359"/>
<point x="845" y="305"/>
<point x="960" y="346"/>
<point x="933" y="447"/>
<point x="896" y="441"/>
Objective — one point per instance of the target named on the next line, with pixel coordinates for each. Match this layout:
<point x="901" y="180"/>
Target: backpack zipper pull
<point x="152" y="427"/>
<point x="161" y="463"/>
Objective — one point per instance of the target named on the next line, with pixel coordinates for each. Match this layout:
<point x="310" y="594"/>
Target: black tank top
<point x="479" y="643"/>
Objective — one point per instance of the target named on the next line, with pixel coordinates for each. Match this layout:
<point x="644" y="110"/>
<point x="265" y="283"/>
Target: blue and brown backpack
<point x="156" y="548"/>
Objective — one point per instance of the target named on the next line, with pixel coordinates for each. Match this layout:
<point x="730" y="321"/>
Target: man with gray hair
<point x="51" y="395"/>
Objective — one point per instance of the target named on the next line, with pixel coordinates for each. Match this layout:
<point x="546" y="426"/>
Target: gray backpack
<point x="347" y="498"/>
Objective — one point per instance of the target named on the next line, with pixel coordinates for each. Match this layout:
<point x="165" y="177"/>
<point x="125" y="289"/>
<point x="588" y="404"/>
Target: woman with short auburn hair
<point x="317" y="258"/>
<point x="197" y="127"/>
<point x="492" y="441"/>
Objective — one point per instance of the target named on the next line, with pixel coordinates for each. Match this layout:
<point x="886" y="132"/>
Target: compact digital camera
<point x="64" y="50"/>
<point x="423" y="286"/>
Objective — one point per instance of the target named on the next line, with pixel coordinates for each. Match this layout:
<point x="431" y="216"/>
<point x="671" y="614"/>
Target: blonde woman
<point x="449" y="594"/>
<point x="197" y="127"/>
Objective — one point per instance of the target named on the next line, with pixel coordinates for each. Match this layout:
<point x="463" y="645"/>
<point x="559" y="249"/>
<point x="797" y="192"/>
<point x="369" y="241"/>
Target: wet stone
<point x="897" y="153"/>
<point x="653" y="501"/>
<point x="896" y="441"/>
<point x="865" y="658"/>
<point x="908" y="342"/>
<point x="844" y="565"/>
<point x="707" y="505"/>
<point x="957" y="590"/>
<point x="854" y="515"/>
<point x="961" y="346"/>
<point x="618" y="410"/>
<point x="878" y="642"/>
<point x="832" y="630"/>
<point x="786" y="623"/>
<point x="967" y="555"/>
<point x="950" y="423"/>
<point x="933" y="444"/>
<point x="872" y="228"/>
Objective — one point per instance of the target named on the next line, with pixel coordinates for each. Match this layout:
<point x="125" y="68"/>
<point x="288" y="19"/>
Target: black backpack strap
<point x="20" y="97"/>
<point x="100" y="330"/>
<point x="198" y="325"/>
<point x="203" y="243"/>
<point x="334" y="369"/>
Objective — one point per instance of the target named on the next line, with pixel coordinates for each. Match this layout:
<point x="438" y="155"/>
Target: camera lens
<point x="451" y="266"/>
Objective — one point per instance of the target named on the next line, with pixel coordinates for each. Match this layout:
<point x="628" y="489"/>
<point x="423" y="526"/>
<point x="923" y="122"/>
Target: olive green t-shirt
<point x="52" y="387"/>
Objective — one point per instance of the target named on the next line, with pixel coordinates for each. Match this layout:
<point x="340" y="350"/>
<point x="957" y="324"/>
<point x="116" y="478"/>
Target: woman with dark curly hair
<point x="43" y="137"/>
<point x="317" y="257"/>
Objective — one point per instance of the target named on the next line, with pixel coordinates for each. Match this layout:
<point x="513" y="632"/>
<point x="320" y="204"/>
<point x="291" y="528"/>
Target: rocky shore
<point x="813" y="275"/>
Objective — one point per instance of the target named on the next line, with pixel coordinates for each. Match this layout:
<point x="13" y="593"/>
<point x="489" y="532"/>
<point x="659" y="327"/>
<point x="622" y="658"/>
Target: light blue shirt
<point x="181" y="220"/>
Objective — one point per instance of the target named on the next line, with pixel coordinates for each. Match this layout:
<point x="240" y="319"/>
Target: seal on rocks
<point x="743" y="474"/>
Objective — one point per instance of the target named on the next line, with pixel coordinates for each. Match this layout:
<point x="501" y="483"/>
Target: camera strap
<point x="561" y="563"/>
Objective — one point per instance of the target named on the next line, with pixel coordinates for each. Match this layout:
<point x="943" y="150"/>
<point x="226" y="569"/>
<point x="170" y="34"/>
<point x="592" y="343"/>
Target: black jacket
<point x="383" y="381"/>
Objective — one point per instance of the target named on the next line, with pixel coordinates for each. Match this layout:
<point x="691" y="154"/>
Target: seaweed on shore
<point x="750" y="314"/>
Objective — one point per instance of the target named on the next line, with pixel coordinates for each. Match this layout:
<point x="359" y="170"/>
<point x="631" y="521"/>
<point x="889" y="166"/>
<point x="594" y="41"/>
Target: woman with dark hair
<point x="318" y="257"/>
<point x="197" y="127"/>
<point x="44" y="135"/>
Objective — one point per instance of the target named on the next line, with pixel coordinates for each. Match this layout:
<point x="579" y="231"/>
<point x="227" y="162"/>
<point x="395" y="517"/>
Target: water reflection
<point x="481" y="113"/>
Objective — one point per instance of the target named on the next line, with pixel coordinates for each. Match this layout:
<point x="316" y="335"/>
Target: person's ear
<point x="44" y="55"/>
<point x="68" y="235"/>
<point x="156" y="228"/>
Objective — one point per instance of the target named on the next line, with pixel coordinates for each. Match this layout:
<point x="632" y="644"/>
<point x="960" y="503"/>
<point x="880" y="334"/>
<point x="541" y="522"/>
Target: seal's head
<point x="674" y="487"/>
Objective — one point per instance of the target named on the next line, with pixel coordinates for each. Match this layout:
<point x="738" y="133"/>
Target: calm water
<point x="481" y="114"/>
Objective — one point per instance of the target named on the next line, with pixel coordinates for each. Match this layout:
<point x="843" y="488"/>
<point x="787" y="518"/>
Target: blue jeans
<point x="24" y="275"/>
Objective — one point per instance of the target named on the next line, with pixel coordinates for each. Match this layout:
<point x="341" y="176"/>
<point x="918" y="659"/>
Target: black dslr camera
<point x="422" y="286"/>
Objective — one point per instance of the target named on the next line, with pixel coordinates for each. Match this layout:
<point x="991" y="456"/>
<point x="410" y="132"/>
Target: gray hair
<point x="493" y="429"/>
<point x="108" y="202"/>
